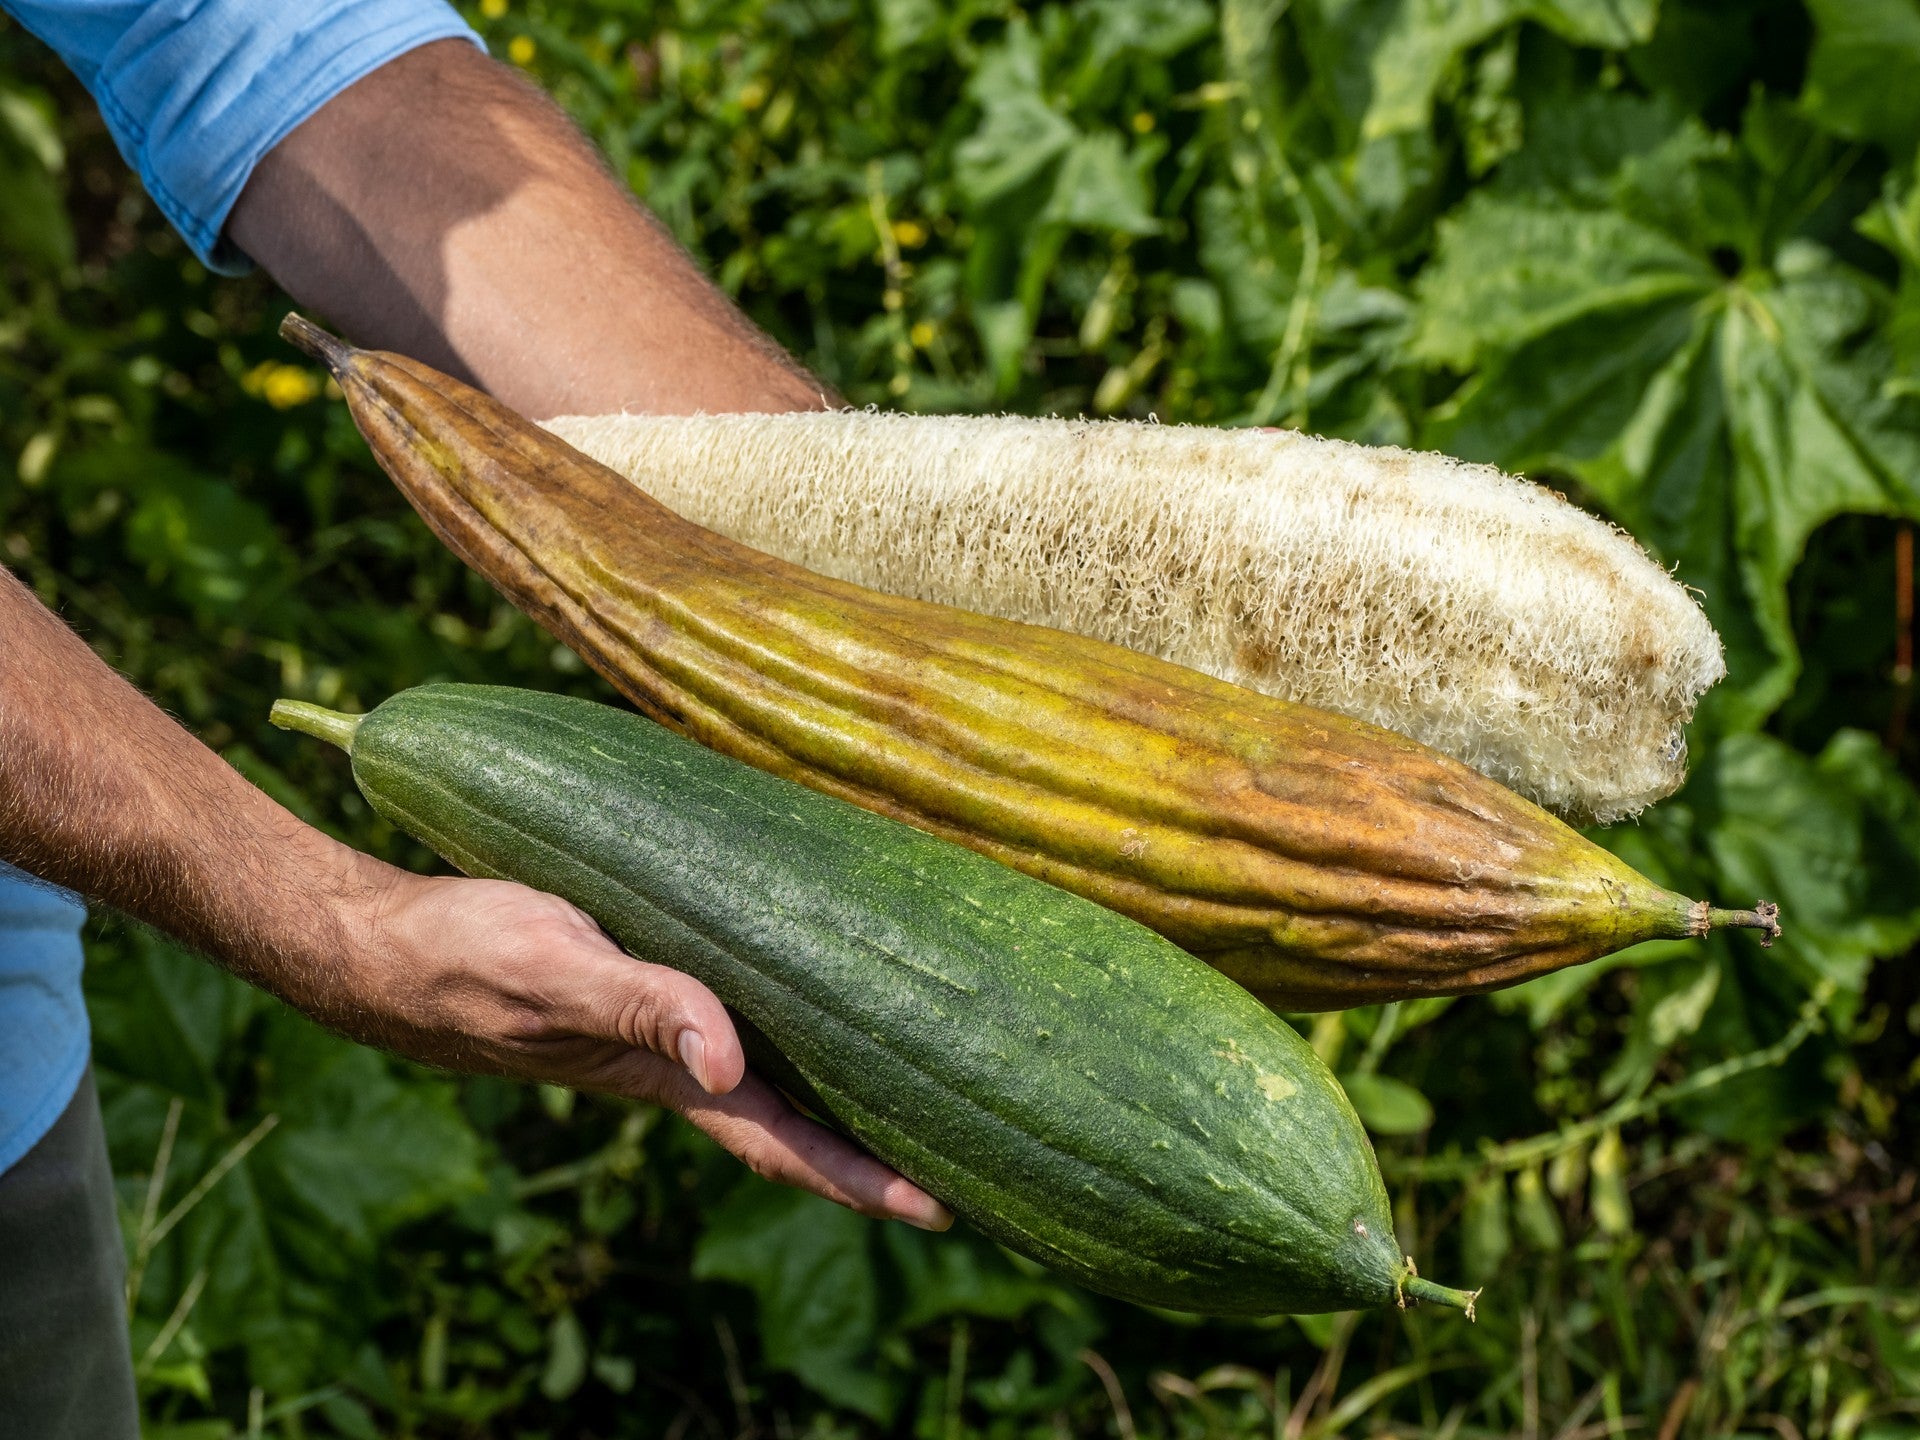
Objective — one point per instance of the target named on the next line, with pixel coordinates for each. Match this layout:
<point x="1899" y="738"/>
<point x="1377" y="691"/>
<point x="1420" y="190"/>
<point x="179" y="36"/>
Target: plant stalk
<point x="1764" y="916"/>
<point x="1420" y="1289"/>
<point x="310" y="719"/>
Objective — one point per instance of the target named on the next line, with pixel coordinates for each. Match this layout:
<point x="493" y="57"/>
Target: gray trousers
<point x="66" y="1372"/>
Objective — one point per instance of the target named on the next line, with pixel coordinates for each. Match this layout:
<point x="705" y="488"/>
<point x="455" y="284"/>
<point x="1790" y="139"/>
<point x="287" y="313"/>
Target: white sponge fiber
<point x="1478" y="613"/>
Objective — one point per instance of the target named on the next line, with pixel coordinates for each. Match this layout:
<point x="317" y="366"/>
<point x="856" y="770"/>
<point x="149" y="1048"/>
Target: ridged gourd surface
<point x="1074" y="1085"/>
<point x="1480" y="614"/>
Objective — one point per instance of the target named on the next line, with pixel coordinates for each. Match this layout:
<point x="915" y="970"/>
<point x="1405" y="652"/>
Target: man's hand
<point x="441" y="206"/>
<point x="102" y="793"/>
<point x="488" y="976"/>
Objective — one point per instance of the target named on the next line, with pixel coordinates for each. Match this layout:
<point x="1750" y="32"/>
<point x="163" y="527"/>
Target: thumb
<point x="651" y="1007"/>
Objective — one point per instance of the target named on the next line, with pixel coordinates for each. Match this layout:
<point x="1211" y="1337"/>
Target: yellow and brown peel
<point x="1320" y="861"/>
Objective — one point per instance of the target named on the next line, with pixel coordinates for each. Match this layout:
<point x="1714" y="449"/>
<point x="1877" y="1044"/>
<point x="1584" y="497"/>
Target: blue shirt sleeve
<point x="195" y="92"/>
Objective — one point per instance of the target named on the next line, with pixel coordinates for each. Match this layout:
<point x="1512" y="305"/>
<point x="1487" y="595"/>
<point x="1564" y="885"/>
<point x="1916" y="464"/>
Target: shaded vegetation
<point x="1661" y="254"/>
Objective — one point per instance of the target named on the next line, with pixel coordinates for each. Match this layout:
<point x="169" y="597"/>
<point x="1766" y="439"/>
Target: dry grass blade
<point x="1362" y="1399"/>
<point x="1116" y="1397"/>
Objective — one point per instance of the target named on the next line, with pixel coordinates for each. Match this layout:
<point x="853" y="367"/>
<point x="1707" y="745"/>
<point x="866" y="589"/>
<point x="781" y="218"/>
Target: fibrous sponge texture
<point x="1468" y="609"/>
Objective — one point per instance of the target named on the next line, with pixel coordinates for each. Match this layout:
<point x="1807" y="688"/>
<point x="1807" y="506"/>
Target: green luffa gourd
<point x="1074" y="1085"/>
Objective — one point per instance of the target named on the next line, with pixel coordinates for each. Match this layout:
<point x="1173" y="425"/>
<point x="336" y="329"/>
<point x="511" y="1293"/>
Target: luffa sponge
<point x="1478" y="613"/>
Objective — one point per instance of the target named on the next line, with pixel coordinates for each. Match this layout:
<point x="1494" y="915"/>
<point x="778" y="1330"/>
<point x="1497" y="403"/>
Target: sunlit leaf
<point x="1865" y="53"/>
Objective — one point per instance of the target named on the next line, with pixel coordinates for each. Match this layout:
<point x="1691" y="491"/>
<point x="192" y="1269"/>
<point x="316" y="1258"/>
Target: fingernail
<point x="938" y="1219"/>
<point x="693" y="1054"/>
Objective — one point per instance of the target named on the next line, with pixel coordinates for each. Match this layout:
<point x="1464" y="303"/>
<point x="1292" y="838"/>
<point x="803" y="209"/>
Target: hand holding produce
<point x="1072" y="1084"/>
<point x="483" y="975"/>
<point x="102" y="792"/>
<point x="1319" y="860"/>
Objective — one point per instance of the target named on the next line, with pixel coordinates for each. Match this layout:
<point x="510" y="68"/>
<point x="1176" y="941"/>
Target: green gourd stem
<point x="310" y="719"/>
<point x="1420" y="1289"/>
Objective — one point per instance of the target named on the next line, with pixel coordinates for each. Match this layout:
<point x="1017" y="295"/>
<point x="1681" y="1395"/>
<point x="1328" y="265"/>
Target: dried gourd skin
<point x="1320" y="861"/>
<point x="1470" y="610"/>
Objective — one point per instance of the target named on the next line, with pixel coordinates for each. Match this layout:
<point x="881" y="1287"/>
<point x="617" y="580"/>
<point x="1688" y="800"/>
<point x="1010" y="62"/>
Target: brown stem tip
<point x="310" y="339"/>
<point x="1765" y="916"/>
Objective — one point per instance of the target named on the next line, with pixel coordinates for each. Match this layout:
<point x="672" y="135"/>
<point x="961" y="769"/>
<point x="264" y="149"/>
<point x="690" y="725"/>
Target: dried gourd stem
<point x="309" y="338"/>
<point x="1765" y="916"/>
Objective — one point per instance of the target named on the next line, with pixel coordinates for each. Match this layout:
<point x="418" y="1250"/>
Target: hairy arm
<point x="102" y="793"/>
<point x="445" y="208"/>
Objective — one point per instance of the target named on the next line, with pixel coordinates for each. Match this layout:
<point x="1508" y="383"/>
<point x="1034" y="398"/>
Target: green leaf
<point x="1509" y="272"/>
<point x="1254" y="262"/>
<point x="1099" y="187"/>
<point x="566" y="1367"/>
<point x="1157" y="28"/>
<point x="1608" y="1195"/>
<point x="218" y="551"/>
<point x="1409" y="46"/>
<point x="1414" y="51"/>
<point x="1578" y="144"/>
<point x="1721" y="420"/>
<point x="1535" y="1216"/>
<point x="962" y="1274"/>
<point x="1896" y="1340"/>
<point x="1020" y="136"/>
<point x="1860" y="75"/>
<point x="28" y="120"/>
<point x="1834" y="839"/>
<point x="290" y="1236"/>
<point x="907" y="23"/>
<point x="1485" y="1234"/>
<point x="1612" y="24"/>
<point x="33" y="216"/>
<point x="1814" y="435"/>
<point x="1670" y="1004"/>
<point x="164" y="1019"/>
<point x="810" y="1267"/>
<point x="1388" y="1106"/>
<point x="1567" y="397"/>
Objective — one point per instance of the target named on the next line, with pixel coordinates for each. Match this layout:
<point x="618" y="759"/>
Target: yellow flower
<point x="909" y="234"/>
<point x="1142" y="121"/>
<point x="282" y="386"/>
<point x="521" y="49"/>
<point x="922" y="333"/>
<point x="493" y="9"/>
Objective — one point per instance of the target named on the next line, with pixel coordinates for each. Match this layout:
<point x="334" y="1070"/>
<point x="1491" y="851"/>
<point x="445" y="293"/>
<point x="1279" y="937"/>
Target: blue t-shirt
<point x="43" y="1020"/>
<point x="195" y="92"/>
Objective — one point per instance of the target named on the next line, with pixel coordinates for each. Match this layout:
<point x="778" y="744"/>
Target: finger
<point x="652" y="1007"/>
<point x="778" y="1143"/>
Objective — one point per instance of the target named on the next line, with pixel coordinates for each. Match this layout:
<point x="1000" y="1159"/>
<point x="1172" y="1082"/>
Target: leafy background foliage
<point x="1661" y="254"/>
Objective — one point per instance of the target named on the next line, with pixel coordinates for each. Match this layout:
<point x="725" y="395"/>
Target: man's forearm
<point x="443" y="207"/>
<point x="102" y="793"/>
